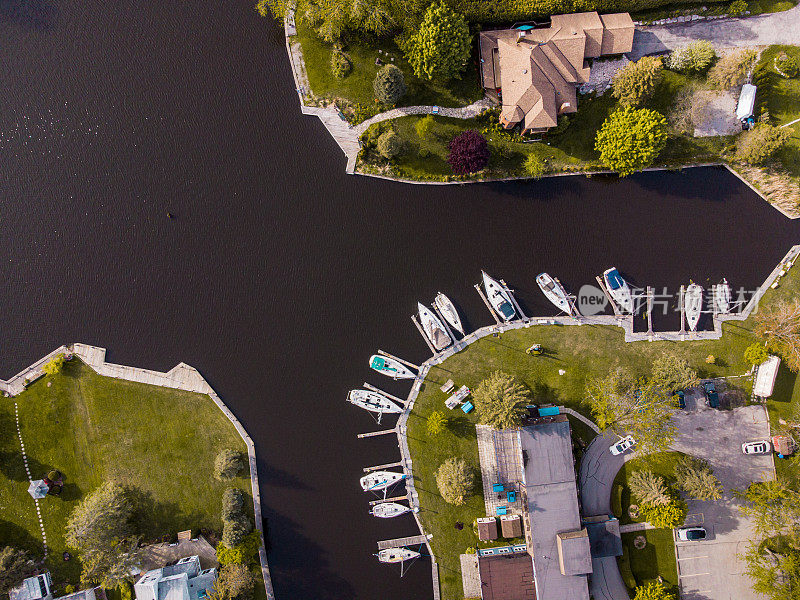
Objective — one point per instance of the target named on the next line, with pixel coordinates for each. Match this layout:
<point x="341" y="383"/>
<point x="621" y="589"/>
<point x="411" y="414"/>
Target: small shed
<point x="765" y="377"/>
<point x="574" y="552"/>
<point x="783" y="444"/>
<point x="747" y="102"/>
<point x="511" y="526"/>
<point x="487" y="529"/>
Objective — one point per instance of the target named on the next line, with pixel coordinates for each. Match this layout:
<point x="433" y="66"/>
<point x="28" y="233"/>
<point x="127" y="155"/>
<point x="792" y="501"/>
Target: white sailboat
<point x="554" y="291"/>
<point x="373" y="402"/>
<point x="380" y="480"/>
<point x="388" y="510"/>
<point x="722" y="297"/>
<point x="433" y="328"/>
<point x="391" y="367"/>
<point x="498" y="298"/>
<point x="396" y="555"/>
<point x="619" y="289"/>
<point x="693" y="304"/>
<point x="449" y="312"/>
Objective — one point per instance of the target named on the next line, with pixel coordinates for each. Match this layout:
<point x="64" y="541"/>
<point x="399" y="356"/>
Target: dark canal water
<point x="280" y="274"/>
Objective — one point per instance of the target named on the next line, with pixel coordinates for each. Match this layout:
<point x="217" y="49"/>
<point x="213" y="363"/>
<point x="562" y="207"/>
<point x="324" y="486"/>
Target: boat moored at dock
<point x="693" y="305"/>
<point x="619" y="289"/>
<point x="449" y="312"/>
<point x="388" y="510"/>
<point x="380" y="480"/>
<point x="554" y="291"/>
<point x="396" y="555"/>
<point x="722" y="297"/>
<point x="373" y="402"/>
<point x="433" y="328"/>
<point x="391" y="367"/>
<point x="498" y="298"/>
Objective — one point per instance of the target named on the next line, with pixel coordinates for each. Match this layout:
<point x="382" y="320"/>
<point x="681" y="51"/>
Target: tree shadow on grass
<point x="461" y="427"/>
<point x="156" y="520"/>
<point x="12" y="534"/>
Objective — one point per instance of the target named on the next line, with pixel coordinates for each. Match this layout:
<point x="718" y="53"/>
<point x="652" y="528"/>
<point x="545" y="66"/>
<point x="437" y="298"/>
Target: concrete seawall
<point x="181" y="377"/>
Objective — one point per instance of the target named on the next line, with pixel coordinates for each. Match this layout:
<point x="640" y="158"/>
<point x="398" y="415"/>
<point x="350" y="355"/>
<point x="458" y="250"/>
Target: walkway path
<point x="30" y="479"/>
<point x="762" y="30"/>
<point x="462" y="112"/>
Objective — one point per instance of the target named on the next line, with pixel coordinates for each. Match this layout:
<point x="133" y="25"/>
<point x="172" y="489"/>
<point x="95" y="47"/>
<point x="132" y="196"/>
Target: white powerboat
<point x="388" y="510"/>
<point x="619" y="289"/>
<point x="433" y="328"/>
<point x="449" y="312"/>
<point x="380" y="480"/>
<point x="722" y="297"/>
<point x="373" y="402"/>
<point x="555" y="292"/>
<point x="693" y="304"/>
<point x="396" y="555"/>
<point x="391" y="367"/>
<point x="498" y="298"/>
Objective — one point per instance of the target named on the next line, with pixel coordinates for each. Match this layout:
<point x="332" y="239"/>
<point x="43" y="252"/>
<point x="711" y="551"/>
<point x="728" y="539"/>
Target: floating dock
<point x="414" y="540"/>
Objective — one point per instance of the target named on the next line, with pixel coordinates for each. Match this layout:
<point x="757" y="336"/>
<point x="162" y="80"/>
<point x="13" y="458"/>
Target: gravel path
<point x="763" y="30"/>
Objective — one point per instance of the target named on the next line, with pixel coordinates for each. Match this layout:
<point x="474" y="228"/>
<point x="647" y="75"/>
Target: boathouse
<point x="535" y="72"/>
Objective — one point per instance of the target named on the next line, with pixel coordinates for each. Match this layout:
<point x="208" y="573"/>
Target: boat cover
<point x="614" y="280"/>
<point x="378" y="363"/>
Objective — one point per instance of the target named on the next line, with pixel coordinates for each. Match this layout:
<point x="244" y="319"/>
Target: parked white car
<point x="692" y="534"/>
<point x="621" y="446"/>
<point x="762" y="447"/>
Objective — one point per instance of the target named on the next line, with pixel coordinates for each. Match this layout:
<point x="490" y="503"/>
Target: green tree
<point x="15" y="565"/>
<point x="389" y="144"/>
<point x="500" y="400"/>
<point x="54" y="365"/>
<point x="234" y="582"/>
<point x="633" y="407"/>
<point x="668" y="516"/>
<point x="389" y="84"/>
<point x="756" y="353"/>
<point x="631" y="139"/>
<point x="228" y="464"/>
<point x="732" y="69"/>
<point x="775" y="573"/>
<point x="101" y="529"/>
<point x="672" y="372"/>
<point x="774" y="507"/>
<point x="455" y="480"/>
<point x="235" y="530"/>
<point x="232" y="503"/>
<point x="737" y="8"/>
<point x="653" y="590"/>
<point x="692" y="58"/>
<point x="697" y="479"/>
<point x="754" y="147"/>
<point x="648" y="488"/>
<point x="535" y="166"/>
<point x="436" y="422"/>
<point x="424" y="127"/>
<point x="440" y="47"/>
<point x="635" y="82"/>
<point x="780" y="326"/>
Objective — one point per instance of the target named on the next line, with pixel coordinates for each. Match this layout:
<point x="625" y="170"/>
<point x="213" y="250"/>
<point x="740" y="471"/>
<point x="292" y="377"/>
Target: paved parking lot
<point x="711" y="569"/>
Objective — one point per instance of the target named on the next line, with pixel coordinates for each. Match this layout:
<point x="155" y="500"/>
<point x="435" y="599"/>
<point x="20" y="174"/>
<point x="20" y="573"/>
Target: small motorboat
<point x="373" y="402"/>
<point x="498" y="298"/>
<point x="433" y="328"/>
<point x="722" y="297"/>
<point x="391" y="367"/>
<point x="693" y="304"/>
<point x="619" y="289"/>
<point x="396" y="555"/>
<point x="388" y="510"/>
<point x="380" y="480"/>
<point x="449" y="312"/>
<point x="555" y="292"/>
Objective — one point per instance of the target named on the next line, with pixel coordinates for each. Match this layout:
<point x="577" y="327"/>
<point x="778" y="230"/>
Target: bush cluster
<point x="635" y="82"/>
<point x="341" y="66"/>
<point x="693" y="58"/>
<point x="245" y="553"/>
<point x="469" y="153"/>
<point x="732" y="69"/>
<point x="756" y="146"/>
<point x="789" y="66"/>
<point x="389" y="84"/>
<point x="228" y="464"/>
<point x="235" y="523"/>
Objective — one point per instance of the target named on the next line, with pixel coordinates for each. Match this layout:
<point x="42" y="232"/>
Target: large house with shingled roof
<point x="536" y="72"/>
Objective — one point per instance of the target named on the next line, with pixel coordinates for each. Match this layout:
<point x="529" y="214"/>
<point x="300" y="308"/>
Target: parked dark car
<point x="681" y="398"/>
<point x="712" y="398"/>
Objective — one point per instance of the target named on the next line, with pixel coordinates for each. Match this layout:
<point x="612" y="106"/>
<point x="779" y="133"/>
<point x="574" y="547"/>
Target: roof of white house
<point x="181" y="581"/>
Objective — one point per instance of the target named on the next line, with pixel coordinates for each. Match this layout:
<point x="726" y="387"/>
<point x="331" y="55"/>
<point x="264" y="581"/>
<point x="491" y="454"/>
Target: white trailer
<point x="747" y="102"/>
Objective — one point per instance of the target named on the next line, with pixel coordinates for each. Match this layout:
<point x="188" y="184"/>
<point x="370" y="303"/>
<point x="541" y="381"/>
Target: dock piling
<point x="444" y="322"/>
<point x="650" y="311"/>
<point x="486" y="302"/>
<point x="382" y="500"/>
<point x="513" y="300"/>
<point x="374" y="433"/>
<point x="683" y="312"/>
<point x="380" y="391"/>
<point x="608" y="296"/>
<point x="386" y="466"/>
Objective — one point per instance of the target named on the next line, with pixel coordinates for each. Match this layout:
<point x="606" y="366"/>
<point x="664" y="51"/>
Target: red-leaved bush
<point x="469" y="153"/>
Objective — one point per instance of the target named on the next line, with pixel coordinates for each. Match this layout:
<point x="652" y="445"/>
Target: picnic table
<point x="457" y="398"/>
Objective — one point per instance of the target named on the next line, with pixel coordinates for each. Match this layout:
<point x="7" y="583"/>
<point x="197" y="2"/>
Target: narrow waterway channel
<point x="163" y="197"/>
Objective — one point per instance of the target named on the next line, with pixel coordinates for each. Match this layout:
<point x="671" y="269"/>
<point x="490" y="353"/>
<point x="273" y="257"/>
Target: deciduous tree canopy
<point x="469" y="153"/>
<point x="500" y="400"/>
<point x="635" y="82"/>
<point x="440" y="47"/>
<point x="15" y="565"/>
<point x="780" y="326"/>
<point x="631" y="139"/>
<point x="455" y="479"/>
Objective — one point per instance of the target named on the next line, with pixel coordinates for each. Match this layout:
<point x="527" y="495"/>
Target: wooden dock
<point x="386" y="466"/>
<point x="613" y="304"/>
<point x="444" y="322"/>
<point x="374" y="433"/>
<point x="422" y="333"/>
<point x="414" y="540"/>
<point x="387" y="394"/>
<point x="382" y="500"/>
<point x="682" y="308"/>
<point x="405" y="362"/>
<point x="650" y="312"/>
<point x="513" y="300"/>
<point x="486" y="302"/>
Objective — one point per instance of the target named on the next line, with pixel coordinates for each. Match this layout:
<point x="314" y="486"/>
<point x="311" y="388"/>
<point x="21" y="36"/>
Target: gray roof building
<point x="181" y="581"/>
<point x="32" y="588"/>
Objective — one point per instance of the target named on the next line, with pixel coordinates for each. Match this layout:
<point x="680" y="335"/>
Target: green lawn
<point x="94" y="429"/>
<point x="661" y="463"/>
<point x="783" y="102"/>
<point x="357" y="86"/>
<point x="582" y="352"/>
<point x="656" y="559"/>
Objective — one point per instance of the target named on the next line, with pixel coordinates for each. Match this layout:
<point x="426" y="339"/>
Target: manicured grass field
<point x="582" y="352"/>
<point x="95" y="429"/>
<point x="656" y="559"/>
<point x="357" y="86"/>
